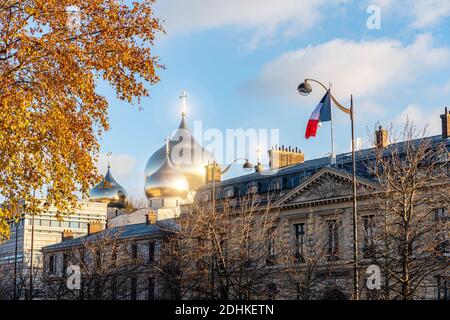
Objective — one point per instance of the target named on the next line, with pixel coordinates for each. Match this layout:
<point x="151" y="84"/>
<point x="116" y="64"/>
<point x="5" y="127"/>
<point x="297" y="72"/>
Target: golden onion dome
<point x="110" y="192"/>
<point x="167" y="181"/>
<point x="186" y="155"/>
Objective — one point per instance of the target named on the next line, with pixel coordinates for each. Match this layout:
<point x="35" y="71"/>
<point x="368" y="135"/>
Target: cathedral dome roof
<point x="110" y="192"/>
<point x="166" y="181"/>
<point x="186" y="155"/>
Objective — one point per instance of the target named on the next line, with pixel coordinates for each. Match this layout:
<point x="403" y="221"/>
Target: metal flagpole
<point x="333" y="153"/>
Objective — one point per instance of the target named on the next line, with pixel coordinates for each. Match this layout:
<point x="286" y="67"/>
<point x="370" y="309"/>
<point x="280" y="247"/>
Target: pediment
<point x="327" y="184"/>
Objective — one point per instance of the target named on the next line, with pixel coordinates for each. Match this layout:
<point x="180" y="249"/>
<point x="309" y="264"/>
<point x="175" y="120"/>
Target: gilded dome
<point x="167" y="181"/>
<point x="110" y="192"/>
<point x="186" y="155"/>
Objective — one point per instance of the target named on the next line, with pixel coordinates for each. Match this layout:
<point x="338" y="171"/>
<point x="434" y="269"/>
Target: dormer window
<point x="252" y="189"/>
<point x="275" y="185"/>
<point x="229" y="193"/>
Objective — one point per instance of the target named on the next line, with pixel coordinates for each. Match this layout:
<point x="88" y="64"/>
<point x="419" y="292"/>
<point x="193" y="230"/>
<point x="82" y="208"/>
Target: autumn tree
<point x="225" y="253"/>
<point x="412" y="236"/>
<point x="53" y="54"/>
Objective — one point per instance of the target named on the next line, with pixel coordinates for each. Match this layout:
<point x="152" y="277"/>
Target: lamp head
<point x="304" y="88"/>
<point x="247" y="165"/>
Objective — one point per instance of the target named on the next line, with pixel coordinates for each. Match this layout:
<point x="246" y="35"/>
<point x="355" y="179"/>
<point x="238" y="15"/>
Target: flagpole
<point x="333" y="153"/>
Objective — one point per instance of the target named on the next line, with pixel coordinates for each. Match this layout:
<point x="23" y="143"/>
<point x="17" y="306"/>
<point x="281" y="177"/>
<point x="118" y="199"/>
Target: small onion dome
<point x="110" y="192"/>
<point x="191" y="165"/>
<point x="167" y="181"/>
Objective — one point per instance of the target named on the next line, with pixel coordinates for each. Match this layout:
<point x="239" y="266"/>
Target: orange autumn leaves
<point x="51" y="113"/>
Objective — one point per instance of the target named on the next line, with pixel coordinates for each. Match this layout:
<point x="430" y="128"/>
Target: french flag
<point x="321" y="113"/>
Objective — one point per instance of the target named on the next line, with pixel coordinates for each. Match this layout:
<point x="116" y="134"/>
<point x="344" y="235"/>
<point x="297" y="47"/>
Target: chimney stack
<point x="213" y="172"/>
<point x="67" y="235"/>
<point x="150" y="218"/>
<point x="381" y="138"/>
<point x="94" y="227"/>
<point x="283" y="157"/>
<point x="445" y="124"/>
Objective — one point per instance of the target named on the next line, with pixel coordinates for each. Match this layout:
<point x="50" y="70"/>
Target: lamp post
<point x="305" y="89"/>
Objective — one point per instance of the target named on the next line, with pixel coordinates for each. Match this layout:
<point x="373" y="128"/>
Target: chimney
<point x="283" y="157"/>
<point x="381" y="138"/>
<point x="67" y="235"/>
<point x="213" y="172"/>
<point x="150" y="218"/>
<point x="445" y="124"/>
<point x="94" y="227"/>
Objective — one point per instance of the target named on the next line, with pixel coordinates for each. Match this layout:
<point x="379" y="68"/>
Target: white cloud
<point x="262" y="17"/>
<point x="421" y="118"/>
<point x="122" y="166"/>
<point x="367" y="69"/>
<point x="429" y="12"/>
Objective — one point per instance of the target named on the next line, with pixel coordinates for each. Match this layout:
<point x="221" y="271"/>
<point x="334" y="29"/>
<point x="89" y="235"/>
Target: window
<point x="113" y="287"/>
<point x="443" y="286"/>
<point x="441" y="233"/>
<point x="205" y="196"/>
<point x="64" y="224"/>
<point x="54" y="224"/>
<point x="275" y="185"/>
<point x="51" y="264"/>
<point x="271" y="251"/>
<point x="151" y="252"/>
<point x="333" y="239"/>
<point x="299" y="232"/>
<point x="134" y="251"/>
<point x="369" y="233"/>
<point x="65" y="263"/>
<point x="74" y="225"/>
<point x="151" y="289"/>
<point x="441" y="214"/>
<point x="229" y="193"/>
<point x="133" y="289"/>
<point x="252" y="188"/>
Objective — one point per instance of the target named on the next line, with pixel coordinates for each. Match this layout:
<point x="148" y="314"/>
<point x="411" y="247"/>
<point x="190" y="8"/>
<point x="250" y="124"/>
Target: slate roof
<point x="293" y="175"/>
<point x="132" y="231"/>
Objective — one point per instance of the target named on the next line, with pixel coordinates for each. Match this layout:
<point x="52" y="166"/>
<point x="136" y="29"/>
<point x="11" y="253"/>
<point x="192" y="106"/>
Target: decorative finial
<point x="108" y="155"/>
<point x="183" y="97"/>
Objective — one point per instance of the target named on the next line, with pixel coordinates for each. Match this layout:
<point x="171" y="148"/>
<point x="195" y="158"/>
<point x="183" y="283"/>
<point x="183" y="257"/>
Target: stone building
<point x="313" y="198"/>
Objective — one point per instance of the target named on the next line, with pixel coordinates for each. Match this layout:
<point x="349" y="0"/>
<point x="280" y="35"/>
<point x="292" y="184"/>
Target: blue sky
<point x="241" y="61"/>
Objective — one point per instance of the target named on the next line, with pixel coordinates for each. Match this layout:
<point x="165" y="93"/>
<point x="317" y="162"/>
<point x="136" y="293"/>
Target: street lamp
<point x="305" y="89"/>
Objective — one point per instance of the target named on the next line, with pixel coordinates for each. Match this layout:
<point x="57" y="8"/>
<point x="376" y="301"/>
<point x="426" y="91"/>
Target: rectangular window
<point x="333" y="239"/>
<point x="65" y="263"/>
<point x="133" y="289"/>
<point x="229" y="193"/>
<point x="251" y="189"/>
<point x="443" y="285"/>
<point x="275" y="185"/>
<point x="369" y="234"/>
<point x="51" y="264"/>
<point x="134" y="251"/>
<point x="151" y="252"/>
<point x="299" y="232"/>
<point x="113" y="287"/>
<point x="271" y="251"/>
<point x="151" y="289"/>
